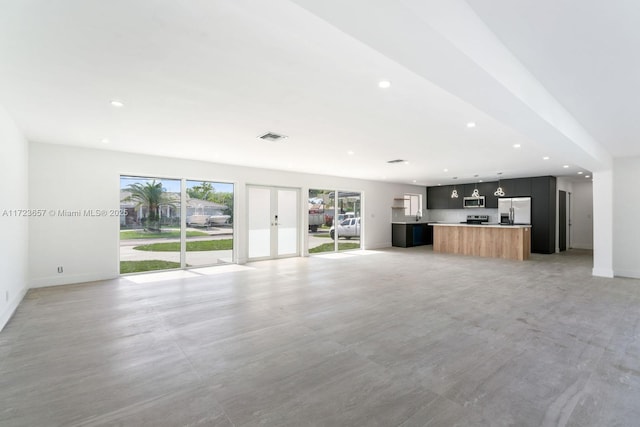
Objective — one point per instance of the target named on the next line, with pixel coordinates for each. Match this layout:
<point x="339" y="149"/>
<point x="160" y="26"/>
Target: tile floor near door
<point x="400" y="337"/>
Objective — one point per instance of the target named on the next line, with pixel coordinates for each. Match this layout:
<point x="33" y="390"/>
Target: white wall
<point x="603" y="211"/>
<point x="626" y="210"/>
<point x="63" y="177"/>
<point x="15" y="235"/>
<point x="582" y="215"/>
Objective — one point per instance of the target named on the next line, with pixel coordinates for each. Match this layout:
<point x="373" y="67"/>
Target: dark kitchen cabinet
<point x="487" y="189"/>
<point x="438" y="197"/>
<point x="408" y="235"/>
<point x="543" y="214"/>
<point x="517" y="187"/>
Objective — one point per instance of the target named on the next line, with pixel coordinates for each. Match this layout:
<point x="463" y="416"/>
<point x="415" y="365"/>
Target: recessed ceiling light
<point x="587" y="176"/>
<point x="565" y="166"/>
<point x="479" y="180"/>
<point x="351" y="153"/>
<point x="439" y="184"/>
<point x="471" y="124"/>
<point x="546" y="158"/>
<point x="446" y="170"/>
<point x="384" y="84"/>
<point x="116" y="103"/>
<point x="516" y="145"/>
<point x="415" y="180"/>
<point x="580" y="173"/>
<point x="104" y="140"/>
<point x="406" y="162"/>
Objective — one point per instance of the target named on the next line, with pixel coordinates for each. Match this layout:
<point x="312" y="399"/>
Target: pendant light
<point x="499" y="192"/>
<point x="454" y="193"/>
<point x="476" y="193"/>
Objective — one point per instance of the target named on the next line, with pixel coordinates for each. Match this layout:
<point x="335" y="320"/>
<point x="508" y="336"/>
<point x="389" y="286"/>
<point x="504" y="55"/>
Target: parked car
<point x="348" y="228"/>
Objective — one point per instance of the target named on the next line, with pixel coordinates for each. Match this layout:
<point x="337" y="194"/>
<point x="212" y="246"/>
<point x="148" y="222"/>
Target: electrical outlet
<point x="60" y="269"/>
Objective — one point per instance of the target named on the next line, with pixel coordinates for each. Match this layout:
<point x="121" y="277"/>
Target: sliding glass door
<point x="334" y="222"/>
<point x="149" y="224"/>
<point x="154" y="235"/>
<point x="209" y="221"/>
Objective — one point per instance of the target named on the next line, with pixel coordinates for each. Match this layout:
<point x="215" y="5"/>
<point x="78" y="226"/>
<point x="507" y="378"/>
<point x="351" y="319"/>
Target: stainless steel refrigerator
<point x="514" y="210"/>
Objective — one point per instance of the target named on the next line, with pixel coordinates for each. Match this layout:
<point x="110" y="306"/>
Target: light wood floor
<point x="401" y="337"/>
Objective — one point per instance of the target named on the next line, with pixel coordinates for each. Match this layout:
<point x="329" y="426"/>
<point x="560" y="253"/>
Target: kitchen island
<point x="486" y="240"/>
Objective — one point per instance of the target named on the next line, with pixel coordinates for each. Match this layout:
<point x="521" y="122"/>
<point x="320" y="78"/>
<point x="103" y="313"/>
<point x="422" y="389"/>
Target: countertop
<point x="411" y="222"/>
<point x="489" y="225"/>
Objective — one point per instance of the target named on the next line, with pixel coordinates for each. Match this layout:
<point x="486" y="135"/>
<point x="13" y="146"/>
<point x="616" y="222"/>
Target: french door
<point x="272" y="222"/>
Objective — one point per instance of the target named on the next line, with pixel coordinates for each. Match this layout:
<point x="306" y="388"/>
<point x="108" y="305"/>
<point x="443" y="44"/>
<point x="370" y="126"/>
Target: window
<point x="412" y="204"/>
<point x="155" y="236"/>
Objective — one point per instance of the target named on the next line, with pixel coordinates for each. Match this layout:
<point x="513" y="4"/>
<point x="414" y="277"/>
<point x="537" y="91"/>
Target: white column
<point x="603" y="223"/>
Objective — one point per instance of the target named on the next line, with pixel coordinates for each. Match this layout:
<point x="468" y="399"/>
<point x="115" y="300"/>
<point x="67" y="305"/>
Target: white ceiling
<point x="202" y="79"/>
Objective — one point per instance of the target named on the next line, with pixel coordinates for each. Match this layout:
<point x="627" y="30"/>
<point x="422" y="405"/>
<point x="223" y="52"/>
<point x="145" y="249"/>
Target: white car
<point x="348" y="228"/>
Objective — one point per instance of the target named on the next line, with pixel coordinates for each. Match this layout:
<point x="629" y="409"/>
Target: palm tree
<point x="151" y="195"/>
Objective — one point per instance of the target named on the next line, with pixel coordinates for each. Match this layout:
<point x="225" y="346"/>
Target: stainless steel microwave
<point x="473" y="202"/>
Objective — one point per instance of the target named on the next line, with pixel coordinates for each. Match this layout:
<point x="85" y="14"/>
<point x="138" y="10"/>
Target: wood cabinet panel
<point x="495" y="242"/>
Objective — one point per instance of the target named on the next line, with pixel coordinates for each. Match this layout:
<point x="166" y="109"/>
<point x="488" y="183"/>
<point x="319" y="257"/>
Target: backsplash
<point x="459" y="215"/>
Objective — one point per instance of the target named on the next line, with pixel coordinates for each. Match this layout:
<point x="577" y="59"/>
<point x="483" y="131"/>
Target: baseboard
<point x="632" y="274"/>
<point x="69" y="279"/>
<point x="602" y="272"/>
<point x="11" y="309"/>
<point x="579" y="246"/>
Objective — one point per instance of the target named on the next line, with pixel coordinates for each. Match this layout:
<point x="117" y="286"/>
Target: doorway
<point x="272" y="222"/>
<point x="562" y="221"/>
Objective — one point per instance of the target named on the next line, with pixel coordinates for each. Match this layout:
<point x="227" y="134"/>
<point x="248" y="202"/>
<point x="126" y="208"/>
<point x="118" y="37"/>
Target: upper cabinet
<point x="438" y="197"/>
<point x="518" y="187"/>
<point x="487" y="189"/>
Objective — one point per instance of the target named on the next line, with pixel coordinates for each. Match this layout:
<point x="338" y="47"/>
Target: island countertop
<point x="488" y="225"/>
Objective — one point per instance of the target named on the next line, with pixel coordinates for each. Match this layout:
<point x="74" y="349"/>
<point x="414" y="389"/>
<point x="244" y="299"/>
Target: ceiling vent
<point x="396" y="161"/>
<point x="270" y="136"/>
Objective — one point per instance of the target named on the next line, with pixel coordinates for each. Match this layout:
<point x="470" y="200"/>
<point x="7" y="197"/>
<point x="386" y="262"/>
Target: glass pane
<point x="349" y="208"/>
<point x="259" y="222"/>
<point x="287" y="222"/>
<point x="150" y="230"/>
<point x="209" y="223"/>
<point x="321" y="212"/>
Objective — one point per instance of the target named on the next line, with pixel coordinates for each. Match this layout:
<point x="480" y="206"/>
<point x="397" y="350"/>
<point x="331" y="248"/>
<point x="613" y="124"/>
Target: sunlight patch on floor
<point x="221" y="269"/>
<point x="157" y="277"/>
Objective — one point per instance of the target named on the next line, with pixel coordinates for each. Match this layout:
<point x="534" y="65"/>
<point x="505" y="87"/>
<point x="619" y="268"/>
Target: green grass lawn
<point x="168" y="234"/>
<point x="328" y="247"/>
<point x="139" y="266"/>
<point x="200" y="245"/>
